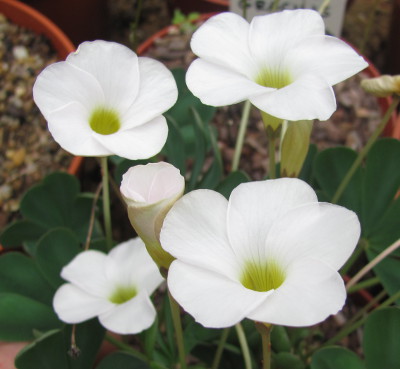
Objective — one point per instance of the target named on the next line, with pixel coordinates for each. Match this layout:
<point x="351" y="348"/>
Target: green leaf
<point x="382" y="181"/>
<point x="280" y="339"/>
<point x="337" y="358"/>
<point x="306" y="172"/>
<point x="15" y="234"/>
<point x="19" y="275"/>
<point x="122" y="360"/>
<point x="174" y="148"/>
<point x="381" y="339"/>
<point x="285" y="360"/>
<point x="150" y="338"/>
<point x="233" y="180"/>
<point x="20" y="316"/>
<point x="55" y="250"/>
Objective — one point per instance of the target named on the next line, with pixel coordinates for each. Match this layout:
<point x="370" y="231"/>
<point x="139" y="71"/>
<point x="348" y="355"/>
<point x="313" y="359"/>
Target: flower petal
<point x="87" y="271"/>
<point x="141" y="142"/>
<point x="194" y="231"/>
<point x="158" y="92"/>
<point x="120" y="82"/>
<point x="216" y="85"/>
<point x="74" y="305"/>
<point x="326" y="56"/>
<point x="132" y="317"/>
<point x="271" y="36"/>
<point x="130" y="264"/>
<point x="70" y="129"/>
<point x="309" y="97"/>
<point x="253" y="208"/>
<point x="223" y="40"/>
<point x="60" y="84"/>
<point x="311" y="292"/>
<point x="322" y="231"/>
<point x="214" y="300"/>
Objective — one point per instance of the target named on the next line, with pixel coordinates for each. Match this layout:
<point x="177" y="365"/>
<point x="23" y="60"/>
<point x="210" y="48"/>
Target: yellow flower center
<point x="123" y="294"/>
<point x="274" y="78"/>
<point x="262" y="277"/>
<point x="104" y="121"/>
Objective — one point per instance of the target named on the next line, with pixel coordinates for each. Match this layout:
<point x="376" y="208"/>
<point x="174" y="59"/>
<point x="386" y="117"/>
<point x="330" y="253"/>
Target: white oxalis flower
<point x="104" y="100"/>
<point x="114" y="287"/>
<point x="270" y="254"/>
<point x="282" y="62"/>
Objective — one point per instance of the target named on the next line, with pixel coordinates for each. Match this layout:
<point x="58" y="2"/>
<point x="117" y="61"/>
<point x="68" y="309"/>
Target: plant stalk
<point x="365" y="150"/>
<point x="244" y="346"/>
<point x="220" y="348"/>
<point x="240" y="138"/>
<point x="271" y="155"/>
<point x="106" y="202"/>
<point x="176" y="319"/>
<point x="368" y="283"/>
<point x="126" y="348"/>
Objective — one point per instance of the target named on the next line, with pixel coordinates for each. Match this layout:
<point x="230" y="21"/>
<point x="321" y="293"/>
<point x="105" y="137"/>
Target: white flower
<point x="149" y="192"/>
<point x="270" y="254"/>
<point x="104" y="100"/>
<point x="282" y="62"/>
<point x="114" y="287"/>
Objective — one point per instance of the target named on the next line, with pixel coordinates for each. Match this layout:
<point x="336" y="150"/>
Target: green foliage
<point x="185" y="22"/>
<point x="337" y="358"/>
<point x="122" y="360"/>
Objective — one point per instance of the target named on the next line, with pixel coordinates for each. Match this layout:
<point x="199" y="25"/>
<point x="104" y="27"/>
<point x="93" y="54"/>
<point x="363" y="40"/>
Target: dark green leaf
<point x="306" y="173"/>
<point x="20" y="316"/>
<point x="19" y="275"/>
<point x="337" y="358"/>
<point x="285" y="360"/>
<point x="55" y="250"/>
<point x="280" y="340"/>
<point x="15" y="234"/>
<point x="381" y="339"/>
<point x="122" y="360"/>
<point x="174" y="148"/>
<point x="233" y="180"/>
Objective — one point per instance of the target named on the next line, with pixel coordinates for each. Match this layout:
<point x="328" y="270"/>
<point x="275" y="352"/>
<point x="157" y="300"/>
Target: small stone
<point x="20" y="52"/>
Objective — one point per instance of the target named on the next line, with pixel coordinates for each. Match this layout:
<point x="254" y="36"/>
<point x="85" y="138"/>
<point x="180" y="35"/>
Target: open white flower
<point x="104" y="100"/>
<point x="270" y="254"/>
<point x="114" y="287"/>
<point x="150" y="191"/>
<point x="282" y="62"/>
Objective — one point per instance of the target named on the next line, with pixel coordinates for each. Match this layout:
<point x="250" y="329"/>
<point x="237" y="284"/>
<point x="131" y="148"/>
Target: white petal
<point x="309" y="97"/>
<point x="326" y="56"/>
<point x="157" y="93"/>
<point x="311" y="292"/>
<point x="322" y="231"/>
<point x="271" y="36"/>
<point x="87" y="271"/>
<point x="130" y="264"/>
<point x="60" y="84"/>
<point x="214" y="300"/>
<point x="141" y="142"/>
<point x="114" y="66"/>
<point x="223" y="40"/>
<point x="74" y="305"/>
<point x="253" y="207"/>
<point x="132" y="317"/>
<point x="70" y="129"/>
<point x="194" y="231"/>
<point x="216" y="85"/>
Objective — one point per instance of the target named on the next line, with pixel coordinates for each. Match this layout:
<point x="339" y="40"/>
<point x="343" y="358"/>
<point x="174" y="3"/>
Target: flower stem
<point x="106" y="202"/>
<point x="271" y="156"/>
<point x="265" y="330"/>
<point x="220" y="348"/>
<point x="323" y="6"/>
<point x="92" y="216"/>
<point x="243" y="344"/>
<point x="275" y="5"/>
<point x="365" y="150"/>
<point x="368" y="283"/>
<point x="126" y="348"/>
<point x="176" y="319"/>
<point x="240" y="139"/>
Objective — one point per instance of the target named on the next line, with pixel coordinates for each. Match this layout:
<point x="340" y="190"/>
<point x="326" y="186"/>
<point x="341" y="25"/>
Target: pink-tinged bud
<point x="149" y="192"/>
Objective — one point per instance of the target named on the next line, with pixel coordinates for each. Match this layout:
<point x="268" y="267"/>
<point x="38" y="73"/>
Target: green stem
<point x="220" y="348"/>
<point x="125" y="347"/>
<point x="271" y="156"/>
<point x="244" y="346"/>
<point x="365" y="150"/>
<point x="365" y="284"/>
<point x="266" y="347"/>
<point x="244" y="9"/>
<point x="240" y="138"/>
<point x="323" y="6"/>
<point x="275" y="5"/>
<point x="362" y="245"/>
<point x="106" y="202"/>
<point x="176" y="319"/>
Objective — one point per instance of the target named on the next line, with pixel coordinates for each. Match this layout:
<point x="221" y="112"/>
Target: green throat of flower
<point x="262" y="277"/>
<point x="273" y="78"/>
<point x="123" y="294"/>
<point x="104" y="121"/>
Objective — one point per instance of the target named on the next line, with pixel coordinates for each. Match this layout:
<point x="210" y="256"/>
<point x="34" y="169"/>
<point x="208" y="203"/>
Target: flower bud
<point x="149" y="192"/>
<point x="382" y="86"/>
